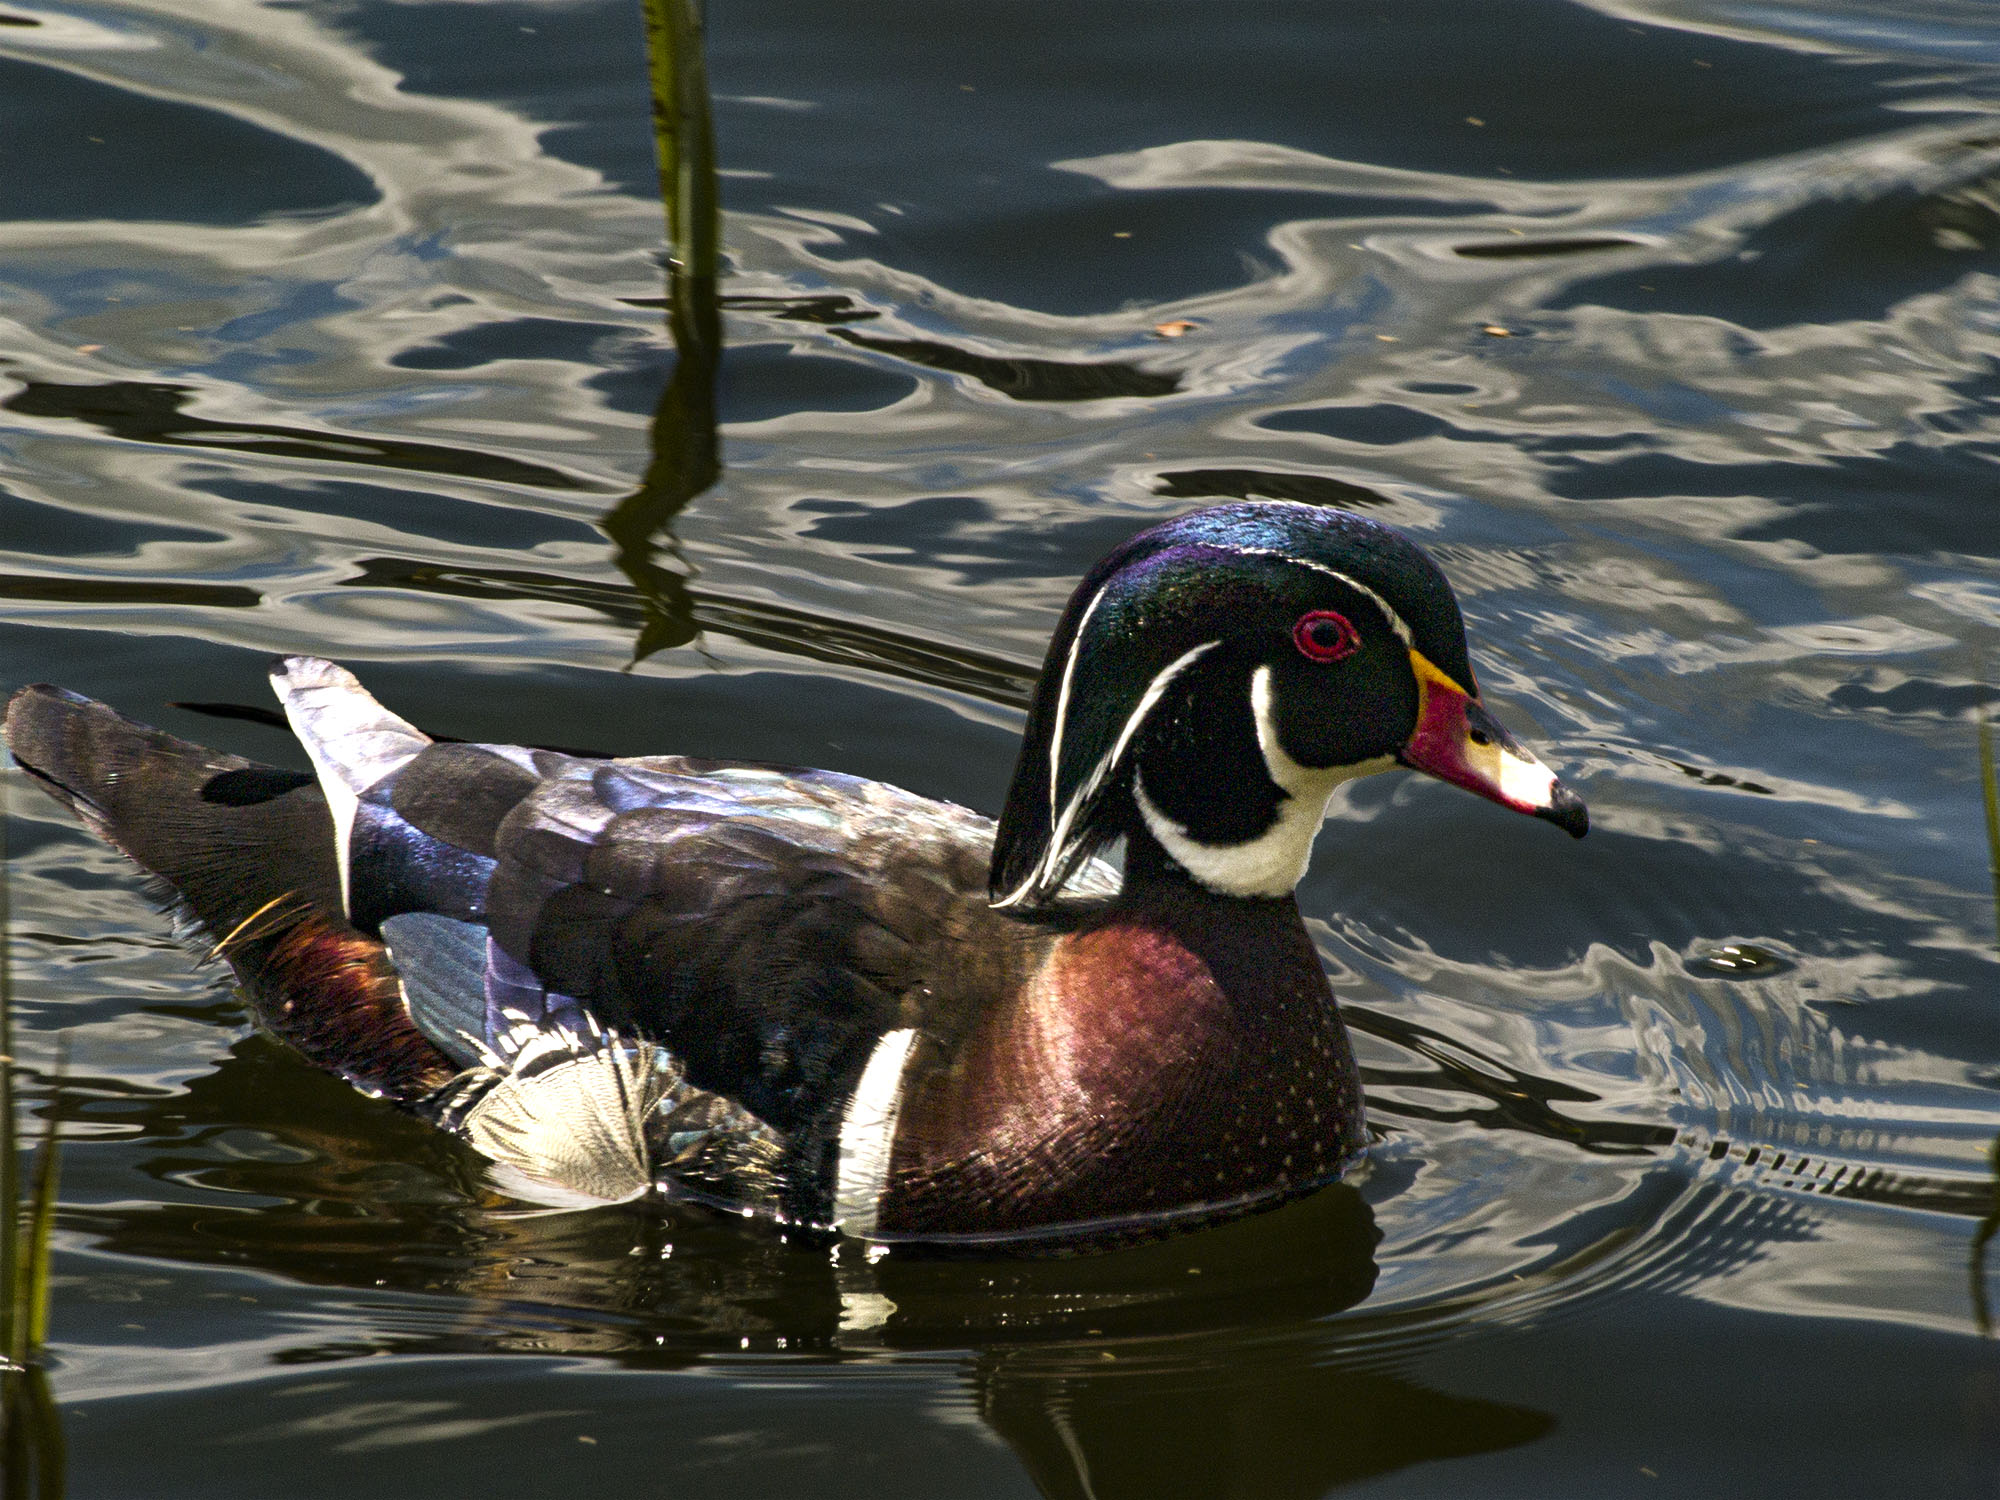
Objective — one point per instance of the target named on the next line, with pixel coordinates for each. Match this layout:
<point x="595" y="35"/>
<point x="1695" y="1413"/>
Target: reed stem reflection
<point x="31" y="1441"/>
<point x="686" y="453"/>
<point x="1989" y="787"/>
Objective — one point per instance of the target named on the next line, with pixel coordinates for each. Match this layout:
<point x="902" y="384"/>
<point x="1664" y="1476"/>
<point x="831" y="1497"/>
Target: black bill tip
<point x="1566" y="811"/>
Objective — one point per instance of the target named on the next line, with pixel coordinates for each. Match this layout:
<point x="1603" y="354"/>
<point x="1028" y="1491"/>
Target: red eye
<point x="1325" y="635"/>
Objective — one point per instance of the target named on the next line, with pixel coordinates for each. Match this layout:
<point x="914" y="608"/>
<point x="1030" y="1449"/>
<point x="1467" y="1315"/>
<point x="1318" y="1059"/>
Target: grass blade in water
<point x="1989" y="788"/>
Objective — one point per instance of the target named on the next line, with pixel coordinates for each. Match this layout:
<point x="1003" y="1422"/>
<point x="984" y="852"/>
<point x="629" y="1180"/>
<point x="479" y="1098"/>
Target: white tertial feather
<point x="576" y="1130"/>
<point x="353" y="741"/>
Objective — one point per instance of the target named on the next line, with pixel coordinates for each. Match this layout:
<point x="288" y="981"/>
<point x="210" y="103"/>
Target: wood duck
<point x="826" y="1000"/>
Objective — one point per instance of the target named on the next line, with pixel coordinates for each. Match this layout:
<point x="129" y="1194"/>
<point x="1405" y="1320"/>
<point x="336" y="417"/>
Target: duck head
<point x="1214" y="679"/>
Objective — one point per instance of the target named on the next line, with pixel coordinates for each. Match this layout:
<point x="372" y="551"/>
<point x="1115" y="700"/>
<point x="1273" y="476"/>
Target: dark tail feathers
<point x="227" y="834"/>
<point x="246" y="851"/>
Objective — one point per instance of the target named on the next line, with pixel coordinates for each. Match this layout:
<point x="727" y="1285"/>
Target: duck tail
<point x="244" y="853"/>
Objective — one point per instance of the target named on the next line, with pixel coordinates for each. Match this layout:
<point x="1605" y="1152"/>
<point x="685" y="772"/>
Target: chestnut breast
<point x="1159" y="1058"/>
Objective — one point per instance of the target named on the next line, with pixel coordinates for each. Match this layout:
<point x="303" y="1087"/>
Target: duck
<point x="825" y="1001"/>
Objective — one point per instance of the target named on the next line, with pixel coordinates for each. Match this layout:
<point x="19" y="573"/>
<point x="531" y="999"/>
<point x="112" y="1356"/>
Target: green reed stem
<point x="33" y="1457"/>
<point x="41" y="1434"/>
<point x="1991" y="788"/>
<point x="685" y="135"/>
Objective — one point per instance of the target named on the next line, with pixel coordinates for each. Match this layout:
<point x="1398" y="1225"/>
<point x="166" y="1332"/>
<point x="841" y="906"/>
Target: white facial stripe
<point x="1059" y="833"/>
<point x="868" y="1134"/>
<point x="1147" y="702"/>
<point x="1274" y="862"/>
<point x="1395" y="620"/>
<point x="1062" y="700"/>
<point x="1266" y="866"/>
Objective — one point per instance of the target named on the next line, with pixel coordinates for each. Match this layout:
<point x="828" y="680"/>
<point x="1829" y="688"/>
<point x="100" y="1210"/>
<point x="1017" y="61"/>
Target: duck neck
<point x="1255" y="948"/>
<point x="1255" y="1021"/>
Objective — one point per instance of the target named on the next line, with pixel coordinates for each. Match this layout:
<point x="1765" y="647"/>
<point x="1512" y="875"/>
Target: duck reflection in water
<point x="1211" y="1363"/>
<point x="1205" y="1364"/>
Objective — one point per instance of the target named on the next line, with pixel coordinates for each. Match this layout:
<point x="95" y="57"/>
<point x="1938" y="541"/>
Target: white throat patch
<point x="1274" y="862"/>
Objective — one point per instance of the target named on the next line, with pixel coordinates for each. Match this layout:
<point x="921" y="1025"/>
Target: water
<point x="1669" y="327"/>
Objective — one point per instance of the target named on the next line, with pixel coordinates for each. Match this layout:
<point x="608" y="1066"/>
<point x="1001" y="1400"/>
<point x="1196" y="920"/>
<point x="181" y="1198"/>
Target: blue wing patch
<point x="442" y="963"/>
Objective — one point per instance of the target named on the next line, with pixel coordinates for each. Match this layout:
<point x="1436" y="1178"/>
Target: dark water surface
<point x="1670" y="326"/>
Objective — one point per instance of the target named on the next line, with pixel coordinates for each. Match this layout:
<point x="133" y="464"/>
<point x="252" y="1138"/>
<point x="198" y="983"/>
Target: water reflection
<point x="145" y="412"/>
<point x="1982" y="1306"/>
<point x="1024" y="378"/>
<point x="31" y="1436"/>
<point x="775" y="627"/>
<point x="1720" y="497"/>
<point x="686" y="460"/>
<point x="1224" y="1417"/>
<point x="1210" y="1363"/>
<point x="1265" y="484"/>
<point x="33" y="1457"/>
<point x="684" y="443"/>
<point x="1509" y="1098"/>
<point x="686" y="453"/>
<point x="1198" y="1366"/>
<point x="1989" y="796"/>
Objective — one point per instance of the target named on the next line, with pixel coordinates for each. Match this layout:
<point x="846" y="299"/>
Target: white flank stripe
<point x="868" y="1134"/>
